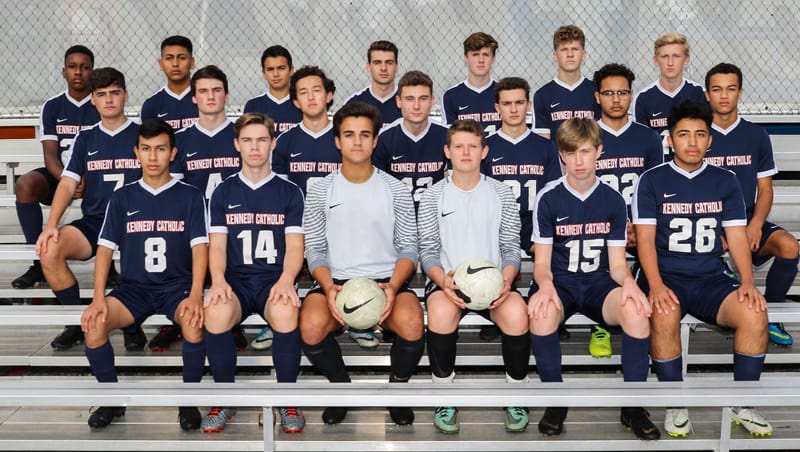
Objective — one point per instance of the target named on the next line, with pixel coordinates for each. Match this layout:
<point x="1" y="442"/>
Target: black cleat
<point x="135" y="340"/>
<point x="167" y="335"/>
<point x="401" y="415"/>
<point x="334" y="415"/>
<point x="104" y="415"/>
<point x="638" y="420"/>
<point x="30" y="278"/>
<point x="69" y="337"/>
<point x="489" y="332"/>
<point x="189" y="417"/>
<point x="563" y="333"/>
<point x="552" y="423"/>
<point x="238" y="338"/>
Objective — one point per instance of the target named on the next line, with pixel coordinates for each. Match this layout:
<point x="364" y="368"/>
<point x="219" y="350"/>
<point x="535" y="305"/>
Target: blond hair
<point x="671" y="38"/>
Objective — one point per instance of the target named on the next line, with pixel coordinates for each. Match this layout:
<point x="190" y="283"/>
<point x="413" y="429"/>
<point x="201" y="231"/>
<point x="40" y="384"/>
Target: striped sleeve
<point x="405" y="225"/>
<point x="430" y="243"/>
<point x="510" y="225"/>
<point x="314" y="223"/>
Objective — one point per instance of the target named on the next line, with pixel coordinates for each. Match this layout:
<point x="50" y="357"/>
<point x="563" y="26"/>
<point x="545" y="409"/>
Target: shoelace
<point x="291" y="412"/>
<point x="214" y="411"/>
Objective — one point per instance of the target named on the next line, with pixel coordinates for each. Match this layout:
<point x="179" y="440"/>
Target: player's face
<point x="671" y="60"/>
<point x="581" y="162"/>
<point x="76" y="72"/>
<point x="465" y="152"/>
<point x="110" y="101"/>
<point x="614" y="97"/>
<point x="277" y="72"/>
<point x="255" y="145"/>
<point x="210" y="96"/>
<point x="569" y="56"/>
<point x="479" y="62"/>
<point x="382" y="67"/>
<point x="312" y="99"/>
<point x="155" y="154"/>
<point x="176" y="62"/>
<point x="723" y="93"/>
<point x="512" y="106"/>
<point x="356" y="139"/>
<point x="415" y="103"/>
<point x="690" y="139"/>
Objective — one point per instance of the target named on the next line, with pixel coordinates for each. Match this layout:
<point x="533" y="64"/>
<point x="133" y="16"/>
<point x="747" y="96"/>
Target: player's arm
<point x="220" y="291"/>
<point x="284" y="290"/>
<point x="193" y="308"/>
<point x="740" y="253"/>
<point x="662" y="298"/>
<point x="430" y="246"/>
<point x="97" y="311"/>
<point x="61" y="200"/>
<point x="405" y="242"/>
<point x="51" y="161"/>
<point x="543" y="275"/>
<point x="316" y="243"/>
<point x="762" y="208"/>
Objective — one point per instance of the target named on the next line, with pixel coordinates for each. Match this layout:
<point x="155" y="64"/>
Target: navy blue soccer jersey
<point x="464" y="101"/>
<point x="526" y="164"/>
<point x="155" y="230"/>
<point x="63" y="117"/>
<point x="390" y="112"/>
<point x="107" y="162"/>
<point x="652" y="104"/>
<point x="689" y="211"/>
<point x="175" y="109"/>
<point x="206" y="157"/>
<point x="745" y="149"/>
<point x="580" y="227"/>
<point x="418" y="162"/>
<point x="627" y="153"/>
<point x="304" y="157"/>
<point x="555" y="102"/>
<point x="282" y="111"/>
<point x="256" y="218"/>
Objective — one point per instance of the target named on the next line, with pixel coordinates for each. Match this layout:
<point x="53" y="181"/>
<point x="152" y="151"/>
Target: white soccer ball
<point x="361" y="302"/>
<point x="479" y="283"/>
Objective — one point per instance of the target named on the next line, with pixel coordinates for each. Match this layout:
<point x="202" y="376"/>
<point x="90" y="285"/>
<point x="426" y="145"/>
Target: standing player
<point x="359" y="222"/>
<point x="570" y="94"/>
<point x="103" y="156"/>
<point x="579" y="235"/>
<point x="382" y="67"/>
<point x="256" y="252"/>
<point x="745" y="149"/>
<point x="464" y="216"/>
<point x="63" y="116"/>
<point x="173" y="103"/>
<point x="158" y="224"/>
<point x="680" y="210"/>
<point x="474" y="97"/>
<point x="276" y="66"/>
<point x="629" y="149"/>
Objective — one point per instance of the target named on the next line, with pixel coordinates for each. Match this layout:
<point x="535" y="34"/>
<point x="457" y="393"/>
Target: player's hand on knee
<point x="284" y="292"/>
<point x="755" y="301"/>
<point x="753" y="231"/>
<point x="218" y="293"/>
<point x="503" y="294"/>
<point x="632" y="294"/>
<point x="662" y="299"/>
<point x="331" y="295"/>
<point x="390" y="295"/>
<point x="97" y="311"/>
<point x="449" y="288"/>
<point x="539" y="302"/>
<point x="44" y="239"/>
<point x="191" y="311"/>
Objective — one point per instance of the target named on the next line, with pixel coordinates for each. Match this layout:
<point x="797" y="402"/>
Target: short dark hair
<point x="723" y="68"/>
<point x="253" y="118"/>
<point x="178" y="40"/>
<point x="689" y="109"/>
<point x="613" y="70"/>
<point x="79" y="49"/>
<point x="308" y="71"/>
<point x="386" y="46"/>
<point x="105" y="77"/>
<point x="357" y="109"/>
<point x="466" y="125"/>
<point x="414" y="78"/>
<point x="151" y="128"/>
<point x="509" y="83"/>
<point x="276" y="51"/>
<point x="211" y="72"/>
<point x="479" y="40"/>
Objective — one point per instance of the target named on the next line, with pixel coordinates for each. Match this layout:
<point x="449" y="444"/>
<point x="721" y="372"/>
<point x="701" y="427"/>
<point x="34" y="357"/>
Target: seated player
<point x="382" y="67"/>
<point x="745" y="149"/>
<point x="256" y="252"/>
<point x="277" y="69"/>
<point x="103" y="157"/>
<point x="680" y="210"/>
<point x="464" y="216"/>
<point x="359" y="222"/>
<point x="158" y="225"/>
<point x="579" y="235"/>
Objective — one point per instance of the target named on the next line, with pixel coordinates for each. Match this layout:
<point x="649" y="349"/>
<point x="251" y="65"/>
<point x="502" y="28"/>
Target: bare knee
<point x="96" y="336"/>
<point x="283" y="318"/>
<point x="219" y="318"/>
<point x="29" y="187"/>
<point x="406" y="320"/>
<point x="634" y="323"/>
<point x="315" y="323"/>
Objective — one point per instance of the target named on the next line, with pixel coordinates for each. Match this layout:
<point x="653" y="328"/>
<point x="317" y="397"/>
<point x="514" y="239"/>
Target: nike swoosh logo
<point x="669" y="195"/>
<point x="462" y="108"/>
<point x="472" y="271"/>
<point x="497" y="159"/>
<point x="444" y="214"/>
<point x="560" y="219"/>
<point x="92" y="153"/>
<point x="130" y="214"/>
<point x="352" y="309"/>
<point x="161" y="115"/>
<point x="191" y="154"/>
<point x="292" y="155"/>
<point x="62" y="119"/>
<point x="397" y="157"/>
<point x="655" y="114"/>
<point x="233" y="206"/>
<point x="335" y="205"/>
<point x="555" y="105"/>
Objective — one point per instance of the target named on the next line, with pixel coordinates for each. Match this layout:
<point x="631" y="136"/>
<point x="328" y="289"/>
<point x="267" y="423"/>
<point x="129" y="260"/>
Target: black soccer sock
<point x="194" y="360"/>
<point x="327" y="358"/>
<point x="547" y="351"/>
<point x="780" y="278"/>
<point x="516" y="355"/>
<point x="404" y="357"/>
<point x="442" y="353"/>
<point x="286" y="355"/>
<point x="635" y="358"/>
<point x="221" y="352"/>
<point x="101" y="359"/>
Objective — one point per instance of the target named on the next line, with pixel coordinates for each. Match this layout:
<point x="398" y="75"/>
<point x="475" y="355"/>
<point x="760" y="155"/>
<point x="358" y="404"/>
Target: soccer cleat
<point x="135" y="340"/>
<point x="30" y="278"/>
<point x="69" y="337"/>
<point x="552" y="422"/>
<point x="189" y="418"/>
<point x="752" y="421"/>
<point x="103" y="416"/>
<point x="263" y="340"/>
<point x="779" y="336"/>
<point x="677" y="423"/>
<point x="401" y="415"/>
<point x="238" y="338"/>
<point x="364" y="339"/>
<point x="167" y="335"/>
<point x="638" y="420"/>
<point x="563" y="332"/>
<point x="334" y="415"/>
<point x="292" y="420"/>
<point x="445" y="419"/>
<point x="600" y="343"/>
<point x="216" y="419"/>
<point x="516" y="419"/>
<point x="489" y="332"/>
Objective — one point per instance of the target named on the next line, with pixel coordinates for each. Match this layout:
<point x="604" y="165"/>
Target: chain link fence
<point x="759" y="36"/>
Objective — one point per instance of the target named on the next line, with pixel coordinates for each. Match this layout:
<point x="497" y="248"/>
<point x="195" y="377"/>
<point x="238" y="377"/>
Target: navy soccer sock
<point x="635" y="358"/>
<point x="780" y="278"/>
<point x="30" y="220"/>
<point x="747" y="367"/>
<point x="221" y="351"/>
<point x="70" y="296"/>
<point x="286" y="355"/>
<point x="547" y="351"/>
<point x="194" y="359"/>
<point x="327" y="358"/>
<point x="101" y="359"/>
<point x="669" y="369"/>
